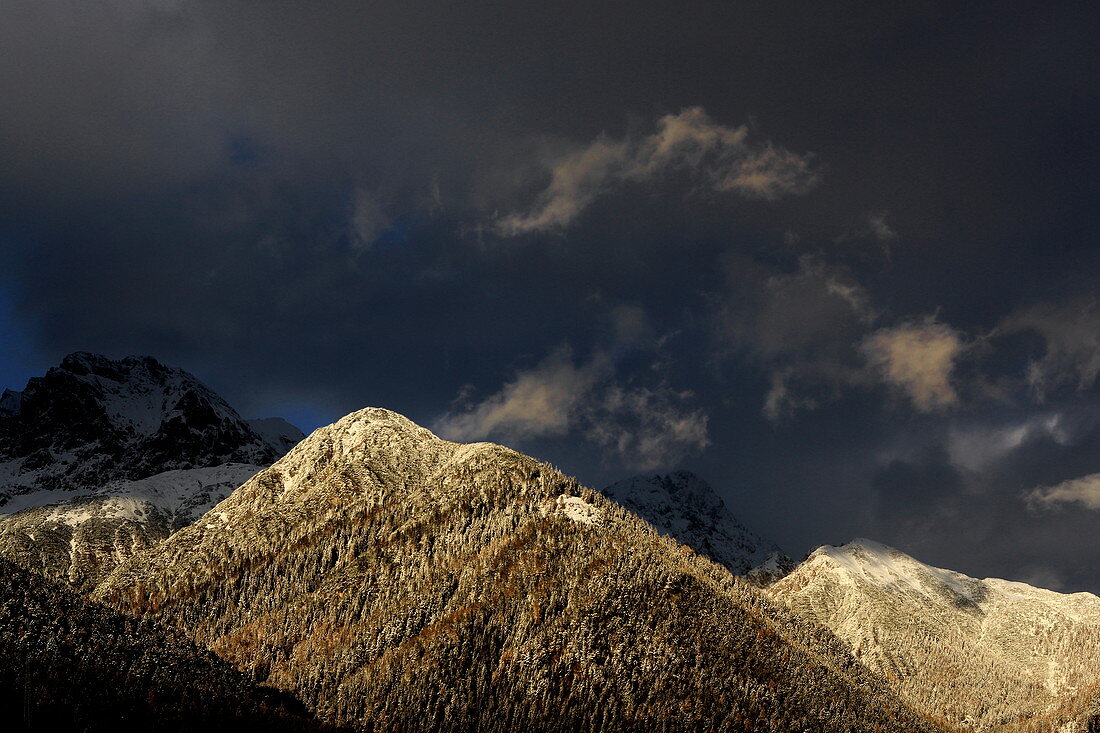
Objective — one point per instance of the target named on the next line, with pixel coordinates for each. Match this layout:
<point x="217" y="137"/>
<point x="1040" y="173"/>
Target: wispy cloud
<point x="720" y="158"/>
<point x="1071" y="335"/>
<point x="642" y="427"/>
<point x="368" y="219"/>
<point x="647" y="428"/>
<point x="878" y="226"/>
<point x="1084" y="491"/>
<point x="975" y="447"/>
<point x="800" y="327"/>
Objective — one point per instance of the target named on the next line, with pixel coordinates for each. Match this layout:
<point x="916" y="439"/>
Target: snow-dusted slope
<point x="100" y="458"/>
<point x="79" y="539"/>
<point x="180" y="495"/>
<point x="685" y="507"/>
<point x="982" y="653"/>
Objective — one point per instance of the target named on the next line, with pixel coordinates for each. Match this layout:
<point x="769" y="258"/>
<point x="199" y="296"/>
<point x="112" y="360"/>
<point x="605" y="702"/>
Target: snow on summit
<point x="941" y="636"/>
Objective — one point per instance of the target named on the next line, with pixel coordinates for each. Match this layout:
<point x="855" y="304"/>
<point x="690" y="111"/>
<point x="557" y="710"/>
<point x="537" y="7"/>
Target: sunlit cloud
<point x="917" y="358"/>
<point x="718" y="157"/>
<point x="641" y="427"/>
<point x="1084" y="491"/>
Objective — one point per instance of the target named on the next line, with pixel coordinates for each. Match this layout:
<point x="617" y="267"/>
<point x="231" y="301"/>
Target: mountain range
<point x="156" y="545"/>
<point x="393" y="579"/>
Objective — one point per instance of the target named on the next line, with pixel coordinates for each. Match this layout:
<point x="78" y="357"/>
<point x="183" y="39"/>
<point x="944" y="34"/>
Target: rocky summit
<point x="102" y="458"/>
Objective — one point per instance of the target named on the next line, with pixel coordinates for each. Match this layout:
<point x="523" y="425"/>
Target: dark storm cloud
<point x="987" y="493"/>
<point x="837" y="258"/>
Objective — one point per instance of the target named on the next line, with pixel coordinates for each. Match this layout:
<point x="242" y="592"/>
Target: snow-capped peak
<point x="940" y="636"/>
<point x="92" y="420"/>
<point x="685" y="507"/>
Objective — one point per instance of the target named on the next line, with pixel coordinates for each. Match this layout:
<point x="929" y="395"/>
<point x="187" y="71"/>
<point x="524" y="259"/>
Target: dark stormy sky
<point x="839" y="259"/>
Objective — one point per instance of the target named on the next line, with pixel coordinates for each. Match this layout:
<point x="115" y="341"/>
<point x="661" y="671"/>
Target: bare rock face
<point x="685" y="507"/>
<point x="93" y="420"/>
<point x="394" y="580"/>
<point x="984" y="654"/>
<point x="100" y="459"/>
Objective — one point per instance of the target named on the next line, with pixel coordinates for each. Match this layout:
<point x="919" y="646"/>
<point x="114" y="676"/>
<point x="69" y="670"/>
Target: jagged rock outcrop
<point x="685" y="507"/>
<point x="981" y="654"/>
<point x="102" y="458"/>
<point x="93" y="420"/>
<point x="69" y="665"/>
<point x="394" y="580"/>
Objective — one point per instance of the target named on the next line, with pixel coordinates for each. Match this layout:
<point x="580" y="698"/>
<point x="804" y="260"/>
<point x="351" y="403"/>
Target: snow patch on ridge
<point x="182" y="495"/>
<point x="579" y="510"/>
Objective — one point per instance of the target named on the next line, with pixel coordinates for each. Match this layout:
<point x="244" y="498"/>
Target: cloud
<point x="1071" y="337"/>
<point x="812" y="330"/>
<point x="368" y="220"/>
<point x="719" y="157"/>
<point x="642" y="427"/>
<point x="646" y="428"/>
<point x="1084" y="491"/>
<point x="800" y="327"/>
<point x="537" y="403"/>
<point x="775" y="316"/>
<point x="781" y="400"/>
<point x="879" y="228"/>
<point x="917" y="358"/>
<point x="977" y="447"/>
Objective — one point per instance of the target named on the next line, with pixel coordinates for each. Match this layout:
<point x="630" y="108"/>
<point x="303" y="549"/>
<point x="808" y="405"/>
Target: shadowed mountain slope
<point x="74" y="665"/>
<point x="685" y="507"/>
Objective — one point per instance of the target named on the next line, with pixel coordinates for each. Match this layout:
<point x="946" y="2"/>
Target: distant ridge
<point x="685" y="507"/>
<point x="983" y="654"/>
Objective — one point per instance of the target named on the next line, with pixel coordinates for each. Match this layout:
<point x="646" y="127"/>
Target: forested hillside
<point x="72" y="665"/>
<point x="397" y="581"/>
